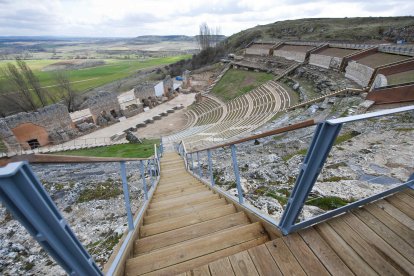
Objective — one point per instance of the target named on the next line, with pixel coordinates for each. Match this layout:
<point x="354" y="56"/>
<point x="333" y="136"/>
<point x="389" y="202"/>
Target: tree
<point x="27" y="94"/>
<point x="67" y="93"/>
<point x="208" y="37"/>
<point x="24" y="99"/>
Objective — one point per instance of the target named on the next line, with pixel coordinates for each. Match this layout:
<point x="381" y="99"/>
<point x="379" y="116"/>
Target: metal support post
<point x="192" y="164"/>
<point x="25" y="198"/>
<point x="236" y="173"/>
<point x="318" y="151"/>
<point x="149" y="165"/>
<point x="126" y="196"/>
<point x="143" y="179"/>
<point x="210" y="167"/>
<point x="200" y="174"/>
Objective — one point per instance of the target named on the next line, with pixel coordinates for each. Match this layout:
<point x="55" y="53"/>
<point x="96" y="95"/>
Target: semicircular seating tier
<point x="212" y="121"/>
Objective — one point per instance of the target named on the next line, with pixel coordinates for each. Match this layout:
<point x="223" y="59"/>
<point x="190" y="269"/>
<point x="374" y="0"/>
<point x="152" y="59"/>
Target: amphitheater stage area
<point x="182" y="99"/>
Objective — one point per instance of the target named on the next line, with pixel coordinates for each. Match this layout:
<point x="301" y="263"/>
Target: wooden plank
<point x="242" y="264"/>
<point x="344" y="251"/>
<point x="181" y="211"/>
<point x="190" y="202"/>
<point x="265" y="265"/>
<point x="395" y="213"/>
<point x="324" y="252"/>
<point x="177" y="193"/>
<point x="221" y="267"/>
<point x="199" y="271"/>
<point x="375" y="241"/>
<point x="409" y="192"/>
<point x="402" y="206"/>
<point x="407" y="199"/>
<point x="176" y="187"/>
<point x="197" y="217"/>
<point x="186" y="198"/>
<point x="397" y="227"/>
<point x="194" y="248"/>
<point x="182" y="207"/>
<point x="393" y="239"/>
<point x="284" y="258"/>
<point x="185" y="266"/>
<point x="304" y="255"/>
<point x="190" y="232"/>
<point x="365" y="250"/>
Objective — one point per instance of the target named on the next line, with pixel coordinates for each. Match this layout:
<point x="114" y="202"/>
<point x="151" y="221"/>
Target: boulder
<point x="130" y="137"/>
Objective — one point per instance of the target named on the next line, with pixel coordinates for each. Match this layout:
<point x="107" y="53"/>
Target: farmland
<point x="87" y="78"/>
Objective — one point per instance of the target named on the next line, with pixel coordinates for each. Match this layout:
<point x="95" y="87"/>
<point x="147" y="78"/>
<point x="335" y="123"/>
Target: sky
<point x="131" y="18"/>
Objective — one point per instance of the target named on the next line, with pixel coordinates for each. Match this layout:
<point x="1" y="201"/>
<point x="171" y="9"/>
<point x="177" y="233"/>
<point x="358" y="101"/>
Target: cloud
<point x="133" y="18"/>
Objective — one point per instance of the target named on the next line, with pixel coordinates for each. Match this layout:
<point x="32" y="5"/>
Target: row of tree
<point x="23" y="91"/>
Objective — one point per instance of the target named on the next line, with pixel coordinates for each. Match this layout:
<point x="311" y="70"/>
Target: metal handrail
<point x="25" y="197"/>
<point x="292" y="127"/>
<point x="320" y="147"/>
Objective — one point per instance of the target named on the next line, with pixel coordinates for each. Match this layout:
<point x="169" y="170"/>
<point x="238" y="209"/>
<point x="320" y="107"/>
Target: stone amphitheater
<point x="365" y="68"/>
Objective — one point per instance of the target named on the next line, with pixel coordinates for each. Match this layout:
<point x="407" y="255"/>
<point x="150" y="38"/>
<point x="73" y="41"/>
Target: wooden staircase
<point x="187" y="225"/>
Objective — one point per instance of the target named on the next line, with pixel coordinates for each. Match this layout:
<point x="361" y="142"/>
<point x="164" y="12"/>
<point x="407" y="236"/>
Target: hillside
<point x="359" y="29"/>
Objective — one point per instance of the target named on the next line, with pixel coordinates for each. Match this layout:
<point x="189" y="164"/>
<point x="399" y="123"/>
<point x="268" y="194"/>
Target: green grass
<point x="238" y="82"/>
<point x="328" y="203"/>
<point x="282" y="200"/>
<point x="105" y="190"/>
<point x="299" y="152"/>
<point x="345" y="137"/>
<point x="88" y="78"/>
<point x="144" y="150"/>
<point x="2" y="146"/>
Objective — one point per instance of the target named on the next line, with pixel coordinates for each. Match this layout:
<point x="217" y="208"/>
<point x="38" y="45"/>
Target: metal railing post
<point x="143" y="179"/>
<point x="200" y="174"/>
<point x="149" y="165"/>
<point x="126" y="196"/>
<point x="210" y="167"/>
<point x="25" y="198"/>
<point x="192" y="164"/>
<point x="318" y="151"/>
<point x="236" y="173"/>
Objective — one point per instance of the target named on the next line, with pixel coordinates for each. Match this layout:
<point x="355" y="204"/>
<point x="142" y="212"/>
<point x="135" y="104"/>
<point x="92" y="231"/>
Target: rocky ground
<point x="368" y="157"/>
<point x="91" y="198"/>
<point x="312" y="81"/>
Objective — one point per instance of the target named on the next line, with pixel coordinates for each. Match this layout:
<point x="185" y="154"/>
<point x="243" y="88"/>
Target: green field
<point x="87" y="78"/>
<point x="238" y="82"/>
<point x="144" y="150"/>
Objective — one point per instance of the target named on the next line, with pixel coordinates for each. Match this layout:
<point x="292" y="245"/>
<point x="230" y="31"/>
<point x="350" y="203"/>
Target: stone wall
<point x="297" y="56"/>
<point x="145" y="90"/>
<point x="133" y="110"/>
<point x="257" y="51"/>
<point x="168" y="86"/>
<point x="51" y="124"/>
<point x="320" y="60"/>
<point x="327" y="62"/>
<point x="359" y="73"/>
<point x="103" y="102"/>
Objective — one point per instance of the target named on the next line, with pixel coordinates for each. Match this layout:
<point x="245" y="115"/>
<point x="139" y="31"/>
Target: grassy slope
<point x="361" y="29"/>
<point x="238" y="82"/>
<point x="96" y="76"/>
<point x="144" y="150"/>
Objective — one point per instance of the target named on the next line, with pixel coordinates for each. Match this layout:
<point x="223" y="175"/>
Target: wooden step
<point x="193" y="206"/>
<point x="183" y="221"/>
<point x="190" y="232"/>
<point x="173" y="188"/>
<point x="175" y="183"/>
<point x="185" y="210"/>
<point x="178" y="193"/>
<point x="193" y="249"/>
<point x="186" y="198"/>
<point x="188" y="203"/>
